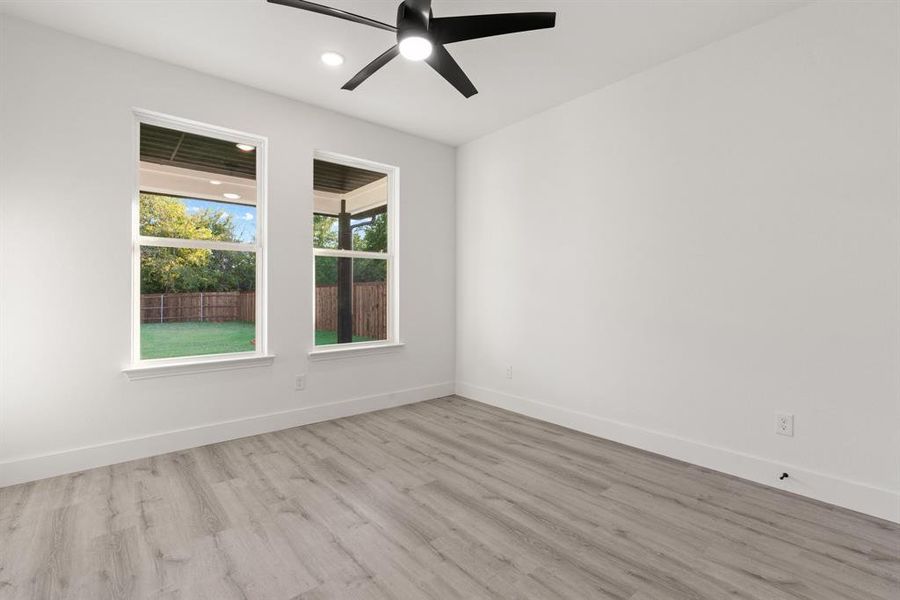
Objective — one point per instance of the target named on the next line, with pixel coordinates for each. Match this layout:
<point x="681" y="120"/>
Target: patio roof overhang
<point x="190" y="183"/>
<point x="363" y="192"/>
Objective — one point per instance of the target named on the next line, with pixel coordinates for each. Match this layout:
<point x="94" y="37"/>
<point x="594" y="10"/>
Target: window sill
<point x="332" y="353"/>
<point x="171" y="369"/>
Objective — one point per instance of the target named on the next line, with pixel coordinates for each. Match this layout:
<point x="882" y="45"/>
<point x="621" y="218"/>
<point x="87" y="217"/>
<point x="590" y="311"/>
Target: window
<point x="198" y="243"/>
<point x="354" y="247"/>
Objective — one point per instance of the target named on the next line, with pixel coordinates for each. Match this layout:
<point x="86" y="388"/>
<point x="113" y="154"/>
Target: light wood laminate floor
<point x="442" y="499"/>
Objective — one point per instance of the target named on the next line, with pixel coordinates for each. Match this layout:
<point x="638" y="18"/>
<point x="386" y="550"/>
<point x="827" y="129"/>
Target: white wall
<point x="67" y="176"/>
<point x="670" y="260"/>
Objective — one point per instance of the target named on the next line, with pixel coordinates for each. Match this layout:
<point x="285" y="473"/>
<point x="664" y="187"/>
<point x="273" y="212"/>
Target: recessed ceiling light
<point x="415" y="47"/>
<point x="215" y="182"/>
<point x="332" y="59"/>
<point x="245" y="147"/>
<point x="232" y="196"/>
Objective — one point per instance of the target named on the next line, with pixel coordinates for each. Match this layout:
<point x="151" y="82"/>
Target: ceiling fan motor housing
<point x="412" y="21"/>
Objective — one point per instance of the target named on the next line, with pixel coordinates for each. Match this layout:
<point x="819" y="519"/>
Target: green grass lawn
<point x="167" y="340"/>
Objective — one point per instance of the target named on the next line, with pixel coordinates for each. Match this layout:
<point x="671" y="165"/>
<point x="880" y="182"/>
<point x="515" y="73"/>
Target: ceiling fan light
<point x="245" y="147"/>
<point x="415" y="47"/>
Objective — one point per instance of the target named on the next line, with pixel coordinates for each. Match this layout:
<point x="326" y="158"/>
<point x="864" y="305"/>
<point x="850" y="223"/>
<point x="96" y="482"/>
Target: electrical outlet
<point x="300" y="382"/>
<point x="509" y="372"/>
<point x="784" y="424"/>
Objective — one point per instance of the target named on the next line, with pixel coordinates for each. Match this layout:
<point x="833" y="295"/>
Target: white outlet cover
<point x="300" y="382"/>
<point x="784" y="424"/>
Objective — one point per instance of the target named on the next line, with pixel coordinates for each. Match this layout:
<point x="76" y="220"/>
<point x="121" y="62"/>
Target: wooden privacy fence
<point x="199" y="306"/>
<point x="369" y="309"/>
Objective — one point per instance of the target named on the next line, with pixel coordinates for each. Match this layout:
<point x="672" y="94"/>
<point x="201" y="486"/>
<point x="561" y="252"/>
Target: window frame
<point x="392" y="283"/>
<point x="163" y="366"/>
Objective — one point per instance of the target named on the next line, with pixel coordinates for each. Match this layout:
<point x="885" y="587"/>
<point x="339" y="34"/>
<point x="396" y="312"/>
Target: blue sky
<point x="243" y="215"/>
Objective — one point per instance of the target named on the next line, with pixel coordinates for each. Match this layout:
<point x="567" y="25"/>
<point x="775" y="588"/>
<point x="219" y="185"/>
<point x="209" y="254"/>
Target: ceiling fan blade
<point x="441" y="61"/>
<point x="334" y="12"/>
<point x="370" y="68"/>
<point x="447" y="30"/>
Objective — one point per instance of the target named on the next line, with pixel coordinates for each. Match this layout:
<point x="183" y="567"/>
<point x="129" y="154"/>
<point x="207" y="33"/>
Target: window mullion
<point x="143" y="240"/>
<point x="334" y="253"/>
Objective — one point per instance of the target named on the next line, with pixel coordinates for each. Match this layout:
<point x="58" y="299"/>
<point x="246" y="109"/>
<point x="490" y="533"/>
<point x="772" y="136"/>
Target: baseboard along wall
<point x="861" y="497"/>
<point x="31" y="468"/>
<point x="853" y="495"/>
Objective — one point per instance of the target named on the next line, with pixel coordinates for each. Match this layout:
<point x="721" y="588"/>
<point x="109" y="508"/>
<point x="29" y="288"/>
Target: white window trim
<point x="333" y="351"/>
<point x="198" y="364"/>
<point x="393" y="341"/>
<point x="142" y="369"/>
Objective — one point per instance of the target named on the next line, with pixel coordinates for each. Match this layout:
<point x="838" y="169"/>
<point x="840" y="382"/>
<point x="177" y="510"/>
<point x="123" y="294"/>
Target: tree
<point x="165" y="216"/>
<point x="325" y="235"/>
<point x="371" y="237"/>
<point x="219" y="224"/>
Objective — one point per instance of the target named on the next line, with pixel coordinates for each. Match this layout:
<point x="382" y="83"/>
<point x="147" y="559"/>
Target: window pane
<point x="326" y="300"/>
<point x="350" y="207"/>
<point x="196" y="187"/>
<point x="360" y="303"/>
<point x="370" y="298"/>
<point x="370" y="234"/>
<point x="196" y="302"/>
<point x="194" y="219"/>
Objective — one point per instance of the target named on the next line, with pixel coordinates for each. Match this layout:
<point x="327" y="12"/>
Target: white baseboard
<point x="861" y="497"/>
<point x="20" y="470"/>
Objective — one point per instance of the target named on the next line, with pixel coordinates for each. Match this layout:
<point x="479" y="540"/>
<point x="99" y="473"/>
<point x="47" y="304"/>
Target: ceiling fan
<point x="421" y="36"/>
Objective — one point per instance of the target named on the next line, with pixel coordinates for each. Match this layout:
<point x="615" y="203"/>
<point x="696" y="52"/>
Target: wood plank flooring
<point x="442" y="499"/>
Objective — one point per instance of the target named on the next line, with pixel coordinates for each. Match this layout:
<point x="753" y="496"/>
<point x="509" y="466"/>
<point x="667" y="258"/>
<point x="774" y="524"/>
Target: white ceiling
<point x="277" y="49"/>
